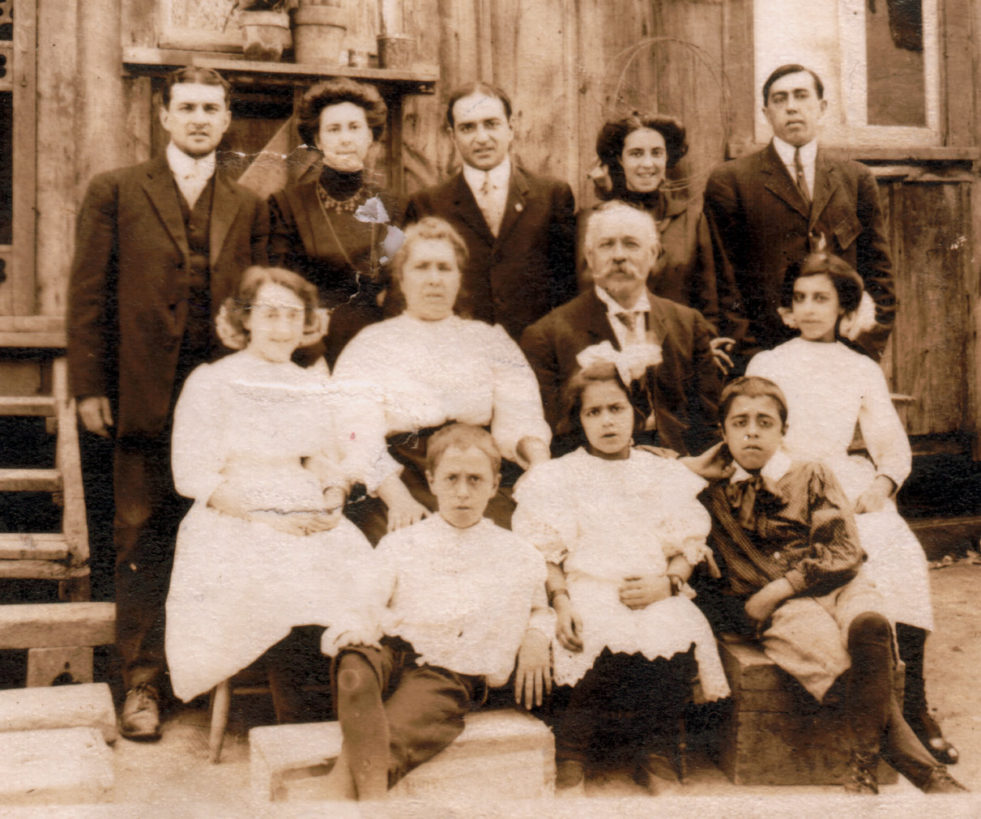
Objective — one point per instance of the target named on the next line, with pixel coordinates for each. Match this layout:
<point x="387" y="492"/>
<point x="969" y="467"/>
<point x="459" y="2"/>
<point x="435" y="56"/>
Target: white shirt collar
<point x="772" y="470"/>
<point x="808" y="152"/>
<point x="642" y="305"/>
<point x="499" y="176"/>
<point x="184" y="166"/>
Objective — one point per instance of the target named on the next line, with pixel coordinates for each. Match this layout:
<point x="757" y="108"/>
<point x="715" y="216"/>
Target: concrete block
<point x="499" y="752"/>
<point x="57" y="767"/>
<point x="776" y="733"/>
<point x="63" y="706"/>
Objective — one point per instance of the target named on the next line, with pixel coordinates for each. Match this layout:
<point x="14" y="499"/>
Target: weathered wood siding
<point x="568" y="65"/>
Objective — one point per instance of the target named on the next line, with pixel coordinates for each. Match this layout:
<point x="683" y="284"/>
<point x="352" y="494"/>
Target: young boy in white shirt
<point x="458" y="598"/>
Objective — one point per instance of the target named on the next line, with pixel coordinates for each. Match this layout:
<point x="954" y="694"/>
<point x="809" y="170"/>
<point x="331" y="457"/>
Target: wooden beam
<point x="52" y="625"/>
<point x="27" y="546"/>
<point x="30" y="480"/>
<point x="21" y="278"/>
<point x="41" y="570"/>
<point x="139" y="60"/>
<point x="27" y="406"/>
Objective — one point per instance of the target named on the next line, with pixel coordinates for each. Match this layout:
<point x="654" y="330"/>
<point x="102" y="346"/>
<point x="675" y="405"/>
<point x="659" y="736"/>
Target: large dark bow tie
<point x="746" y="496"/>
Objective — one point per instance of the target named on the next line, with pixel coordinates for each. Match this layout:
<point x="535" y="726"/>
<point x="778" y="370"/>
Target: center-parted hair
<point x="430" y="228"/>
<point x="752" y="386"/>
<point x="462" y="436"/>
<point x="847" y="283"/>
<point x="572" y="392"/>
<point x="613" y="135"/>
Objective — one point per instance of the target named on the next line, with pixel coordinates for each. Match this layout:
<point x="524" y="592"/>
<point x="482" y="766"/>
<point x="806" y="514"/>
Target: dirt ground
<point x="174" y="778"/>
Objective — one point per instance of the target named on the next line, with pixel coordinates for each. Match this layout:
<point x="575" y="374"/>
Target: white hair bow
<point x="631" y="363"/>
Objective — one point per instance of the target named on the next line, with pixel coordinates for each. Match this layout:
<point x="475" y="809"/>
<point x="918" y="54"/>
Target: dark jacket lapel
<point x="162" y="191"/>
<point x="467" y="209"/>
<point x="516" y="202"/>
<point x="825" y="182"/>
<point x="224" y="207"/>
<point x="597" y="325"/>
<point x="778" y="181"/>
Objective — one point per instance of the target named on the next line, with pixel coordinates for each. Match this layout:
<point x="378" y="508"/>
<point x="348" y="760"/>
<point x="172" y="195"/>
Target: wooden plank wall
<point x="568" y="65"/>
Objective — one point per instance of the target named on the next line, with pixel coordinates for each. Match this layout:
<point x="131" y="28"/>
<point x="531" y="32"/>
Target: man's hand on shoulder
<point x="96" y="414"/>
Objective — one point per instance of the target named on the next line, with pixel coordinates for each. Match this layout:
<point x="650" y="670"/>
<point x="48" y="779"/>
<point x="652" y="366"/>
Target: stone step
<point x="65" y="766"/>
<point x="62" y="706"/>
<point x="499" y="753"/>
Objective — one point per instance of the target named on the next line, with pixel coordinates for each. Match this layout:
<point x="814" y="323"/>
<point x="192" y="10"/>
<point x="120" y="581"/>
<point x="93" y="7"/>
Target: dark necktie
<point x="745" y="496"/>
<point x="800" y="178"/>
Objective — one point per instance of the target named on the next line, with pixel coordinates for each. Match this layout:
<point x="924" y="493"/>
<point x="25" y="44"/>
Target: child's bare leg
<point x="339" y="782"/>
<point x="364" y="725"/>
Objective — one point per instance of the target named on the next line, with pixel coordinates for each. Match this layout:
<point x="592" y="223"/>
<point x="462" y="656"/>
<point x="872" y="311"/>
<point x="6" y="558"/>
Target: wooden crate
<point x="776" y="733"/>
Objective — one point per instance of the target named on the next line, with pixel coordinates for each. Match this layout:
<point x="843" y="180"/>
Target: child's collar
<point x="773" y="470"/>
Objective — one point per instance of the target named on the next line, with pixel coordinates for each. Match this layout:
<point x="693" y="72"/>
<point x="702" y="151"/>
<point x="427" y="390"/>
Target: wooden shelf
<point x="157" y="61"/>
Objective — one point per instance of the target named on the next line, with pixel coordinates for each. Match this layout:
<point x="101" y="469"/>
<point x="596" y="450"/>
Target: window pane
<point x="896" y="82"/>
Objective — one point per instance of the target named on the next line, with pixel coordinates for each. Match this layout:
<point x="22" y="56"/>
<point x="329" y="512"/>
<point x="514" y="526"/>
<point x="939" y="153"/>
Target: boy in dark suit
<point x="519" y="227"/>
<point x="787" y="548"/>
<point x="159" y="247"/>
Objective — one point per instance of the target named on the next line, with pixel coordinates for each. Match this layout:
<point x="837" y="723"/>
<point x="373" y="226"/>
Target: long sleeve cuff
<point x="796" y="579"/>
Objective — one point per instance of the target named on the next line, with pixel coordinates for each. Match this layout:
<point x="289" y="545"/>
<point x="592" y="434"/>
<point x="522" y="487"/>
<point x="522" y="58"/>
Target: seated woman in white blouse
<point x="265" y="547"/>
<point x="430" y="367"/>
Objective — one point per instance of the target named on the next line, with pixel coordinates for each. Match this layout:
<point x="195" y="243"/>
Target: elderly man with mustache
<point x="663" y="348"/>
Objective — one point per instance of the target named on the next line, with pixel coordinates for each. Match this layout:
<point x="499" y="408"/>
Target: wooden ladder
<point x="62" y="557"/>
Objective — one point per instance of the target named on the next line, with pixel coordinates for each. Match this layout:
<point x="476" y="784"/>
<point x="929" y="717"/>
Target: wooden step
<point x="40" y="570"/>
<point x="38" y="625"/>
<point x="30" y="480"/>
<point x="28" y="405"/>
<point x="30" y="546"/>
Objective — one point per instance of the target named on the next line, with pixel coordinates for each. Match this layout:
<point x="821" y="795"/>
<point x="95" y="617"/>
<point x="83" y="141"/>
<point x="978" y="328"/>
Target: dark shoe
<point x="141" y="714"/>
<point x="862" y="777"/>
<point x="570" y="778"/>
<point x="569" y="773"/>
<point x="653" y="771"/>
<point x="942" y="782"/>
<point x="928" y="732"/>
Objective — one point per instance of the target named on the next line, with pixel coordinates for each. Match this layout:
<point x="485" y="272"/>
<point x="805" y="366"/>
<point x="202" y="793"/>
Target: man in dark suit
<point x="771" y="208"/>
<point x="519" y="227"/>
<point x="159" y="246"/>
<point x="619" y="316"/>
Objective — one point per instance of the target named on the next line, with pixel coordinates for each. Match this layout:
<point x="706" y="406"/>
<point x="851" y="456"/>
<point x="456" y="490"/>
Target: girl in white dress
<point x="620" y="529"/>
<point x="429" y="367"/>
<point x="265" y="547"/>
<point x="830" y="388"/>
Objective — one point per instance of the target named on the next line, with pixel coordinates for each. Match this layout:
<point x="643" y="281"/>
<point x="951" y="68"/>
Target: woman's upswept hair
<point x="614" y="133"/>
<point x="238" y="306"/>
<point x="432" y="228"/>
<point x="332" y="92"/>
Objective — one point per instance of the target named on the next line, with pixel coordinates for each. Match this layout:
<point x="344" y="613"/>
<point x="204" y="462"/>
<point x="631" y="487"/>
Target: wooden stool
<point x="499" y="753"/>
<point x="776" y="733"/>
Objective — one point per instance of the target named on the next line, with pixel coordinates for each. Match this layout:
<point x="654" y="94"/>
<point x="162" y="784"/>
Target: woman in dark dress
<point x="338" y="230"/>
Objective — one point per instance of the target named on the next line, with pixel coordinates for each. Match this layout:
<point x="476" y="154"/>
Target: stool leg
<point x="220" y="702"/>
